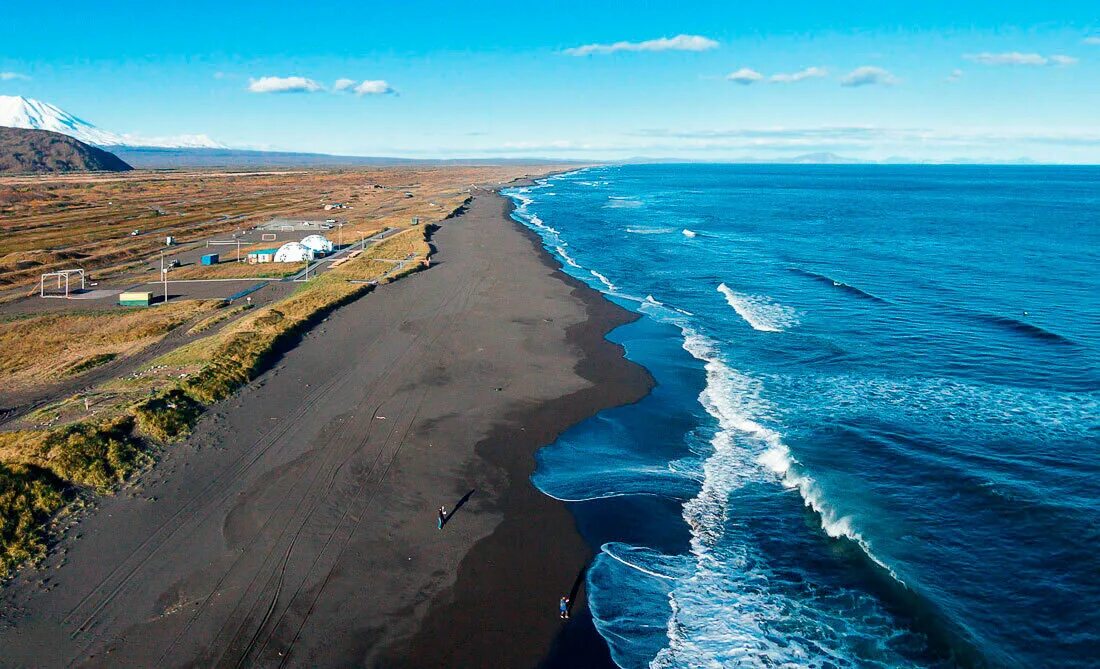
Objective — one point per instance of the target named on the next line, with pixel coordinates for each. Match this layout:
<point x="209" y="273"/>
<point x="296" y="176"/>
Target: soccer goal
<point x="65" y="281"/>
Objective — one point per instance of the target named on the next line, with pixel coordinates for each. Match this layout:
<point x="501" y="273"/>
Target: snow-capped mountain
<point x="17" y="111"/>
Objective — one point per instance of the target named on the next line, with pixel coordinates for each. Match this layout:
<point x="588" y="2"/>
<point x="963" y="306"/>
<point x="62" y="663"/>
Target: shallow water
<point x="874" y="439"/>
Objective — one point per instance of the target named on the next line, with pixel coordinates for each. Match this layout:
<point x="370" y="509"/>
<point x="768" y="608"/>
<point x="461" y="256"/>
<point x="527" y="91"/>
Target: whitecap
<point x="760" y="312"/>
<point x="649" y="231"/>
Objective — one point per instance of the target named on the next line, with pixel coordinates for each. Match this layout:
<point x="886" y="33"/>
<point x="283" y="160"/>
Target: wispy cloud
<point x="10" y="76"/>
<point x="955" y="76"/>
<point x="677" y="43"/>
<point x="1019" y="58"/>
<point x="868" y="75"/>
<point x="374" y="87"/>
<point x="745" y="76"/>
<point x="801" y="75"/>
<point x="284" y="85"/>
<point x="343" y="84"/>
<point x="860" y="137"/>
<point x="1093" y="40"/>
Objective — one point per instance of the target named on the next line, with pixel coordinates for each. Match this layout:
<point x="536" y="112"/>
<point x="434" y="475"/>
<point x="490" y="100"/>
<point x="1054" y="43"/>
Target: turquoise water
<point x="874" y="439"/>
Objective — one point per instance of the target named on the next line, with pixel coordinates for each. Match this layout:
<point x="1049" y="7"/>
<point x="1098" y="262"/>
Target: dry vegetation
<point x="97" y="439"/>
<point x="86" y="220"/>
<point x="38" y="349"/>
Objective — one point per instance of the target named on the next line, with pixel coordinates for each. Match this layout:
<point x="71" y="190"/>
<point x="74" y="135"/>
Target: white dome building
<point x="318" y="243"/>
<point x="294" y="252"/>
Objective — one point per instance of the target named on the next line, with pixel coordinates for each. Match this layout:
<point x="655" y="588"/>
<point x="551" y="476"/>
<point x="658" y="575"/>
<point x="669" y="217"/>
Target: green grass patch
<point x="168" y="417"/>
<point x="91" y="362"/>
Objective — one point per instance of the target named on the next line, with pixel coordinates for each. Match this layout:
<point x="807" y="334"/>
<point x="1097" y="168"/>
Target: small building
<point x="261" y="256"/>
<point x="210" y="259"/>
<point x="294" y="252"/>
<point x="318" y="243"/>
<point x="135" y="299"/>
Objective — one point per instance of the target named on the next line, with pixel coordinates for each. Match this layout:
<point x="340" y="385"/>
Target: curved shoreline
<point x="511" y="621"/>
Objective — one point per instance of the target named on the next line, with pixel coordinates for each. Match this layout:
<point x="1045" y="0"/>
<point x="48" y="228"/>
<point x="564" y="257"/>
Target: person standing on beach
<point x="563" y="608"/>
<point x="442" y="516"/>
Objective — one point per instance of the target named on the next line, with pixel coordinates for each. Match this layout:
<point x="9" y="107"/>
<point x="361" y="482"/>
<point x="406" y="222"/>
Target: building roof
<point x="263" y="252"/>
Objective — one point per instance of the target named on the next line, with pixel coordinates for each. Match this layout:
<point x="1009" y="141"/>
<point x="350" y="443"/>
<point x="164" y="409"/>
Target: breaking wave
<point x="761" y="313"/>
<point x="650" y="231"/>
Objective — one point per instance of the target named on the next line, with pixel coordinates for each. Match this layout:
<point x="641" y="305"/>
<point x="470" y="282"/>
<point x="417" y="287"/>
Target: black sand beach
<point x="297" y="526"/>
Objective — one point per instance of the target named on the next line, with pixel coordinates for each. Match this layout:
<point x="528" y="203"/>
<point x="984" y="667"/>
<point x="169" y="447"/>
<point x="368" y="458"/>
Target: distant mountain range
<point x="37" y="151"/>
<point x="17" y="111"/>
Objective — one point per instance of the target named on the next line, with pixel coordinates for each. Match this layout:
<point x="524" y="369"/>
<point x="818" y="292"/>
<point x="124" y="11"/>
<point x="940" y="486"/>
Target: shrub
<point x="168" y="417"/>
<point x="28" y="497"/>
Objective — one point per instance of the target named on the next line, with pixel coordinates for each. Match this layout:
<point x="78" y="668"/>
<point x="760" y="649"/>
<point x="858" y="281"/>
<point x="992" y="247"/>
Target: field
<point x="88" y="442"/>
<point x="38" y="349"/>
<point x="87" y="221"/>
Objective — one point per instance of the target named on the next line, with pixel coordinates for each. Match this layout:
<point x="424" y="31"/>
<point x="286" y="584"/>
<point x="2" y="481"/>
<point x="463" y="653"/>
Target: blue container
<point x="210" y="259"/>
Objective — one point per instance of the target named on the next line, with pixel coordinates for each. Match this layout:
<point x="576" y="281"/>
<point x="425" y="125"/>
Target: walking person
<point x="442" y="516"/>
<point x="563" y="608"/>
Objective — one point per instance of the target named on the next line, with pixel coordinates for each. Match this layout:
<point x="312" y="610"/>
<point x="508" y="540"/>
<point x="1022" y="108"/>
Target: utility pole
<point x="164" y="276"/>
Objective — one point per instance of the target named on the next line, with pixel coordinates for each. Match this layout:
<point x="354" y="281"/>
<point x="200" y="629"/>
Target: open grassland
<point x="39" y="349"/>
<point x="94" y="440"/>
<point x="86" y="221"/>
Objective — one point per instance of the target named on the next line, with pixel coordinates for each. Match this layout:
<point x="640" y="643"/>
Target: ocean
<point x="875" y="435"/>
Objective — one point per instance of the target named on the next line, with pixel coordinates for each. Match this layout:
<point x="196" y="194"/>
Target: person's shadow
<point x="576" y="588"/>
<point x="457" y="506"/>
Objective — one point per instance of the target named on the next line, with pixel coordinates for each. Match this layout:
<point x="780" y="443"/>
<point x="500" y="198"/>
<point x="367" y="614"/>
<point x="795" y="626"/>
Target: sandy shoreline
<point x="297" y="526"/>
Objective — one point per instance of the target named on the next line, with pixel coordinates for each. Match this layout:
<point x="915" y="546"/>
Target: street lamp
<point x="164" y="276"/>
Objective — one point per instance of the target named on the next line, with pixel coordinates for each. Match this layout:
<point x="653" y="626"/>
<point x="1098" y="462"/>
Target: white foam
<point x="566" y="257"/>
<point x="603" y="279"/>
<point x="621" y="202"/>
<point x="760" y="312"/>
<point x="721" y="615"/>
<point x="649" y="231"/>
<point x="688" y="233"/>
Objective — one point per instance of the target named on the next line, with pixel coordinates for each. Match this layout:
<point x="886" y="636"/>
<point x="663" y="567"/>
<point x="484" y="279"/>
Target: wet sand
<point x="297" y="527"/>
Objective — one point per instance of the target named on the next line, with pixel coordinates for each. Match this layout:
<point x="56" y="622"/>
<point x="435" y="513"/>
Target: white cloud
<point x="1018" y="58"/>
<point x="1094" y="40"/>
<point x="956" y="75"/>
<point x="374" y="87"/>
<point x="9" y="76"/>
<point x="1059" y="59"/>
<point x="284" y="85"/>
<point x="677" y="43"/>
<point x="801" y="75"/>
<point x="343" y="84"/>
<point x="745" y="76"/>
<point x="868" y="75"/>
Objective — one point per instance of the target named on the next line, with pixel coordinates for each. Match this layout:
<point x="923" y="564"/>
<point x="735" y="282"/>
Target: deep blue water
<point x="875" y="436"/>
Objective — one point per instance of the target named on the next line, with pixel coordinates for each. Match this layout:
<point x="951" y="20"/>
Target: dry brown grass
<point x="236" y="270"/>
<point x="86" y="220"/>
<point x="44" y="348"/>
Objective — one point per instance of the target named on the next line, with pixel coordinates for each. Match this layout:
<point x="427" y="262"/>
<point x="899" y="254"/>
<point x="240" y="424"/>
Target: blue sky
<point x="934" y="80"/>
